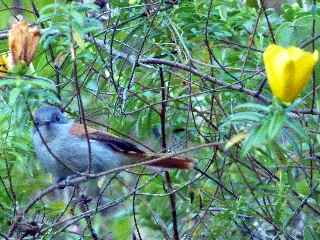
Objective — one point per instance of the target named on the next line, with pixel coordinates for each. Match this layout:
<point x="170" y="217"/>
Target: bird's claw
<point x="64" y="182"/>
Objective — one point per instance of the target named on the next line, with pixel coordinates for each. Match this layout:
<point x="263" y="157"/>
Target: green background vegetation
<point x="206" y="57"/>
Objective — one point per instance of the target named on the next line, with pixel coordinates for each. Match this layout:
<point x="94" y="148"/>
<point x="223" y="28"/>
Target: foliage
<point x="195" y="69"/>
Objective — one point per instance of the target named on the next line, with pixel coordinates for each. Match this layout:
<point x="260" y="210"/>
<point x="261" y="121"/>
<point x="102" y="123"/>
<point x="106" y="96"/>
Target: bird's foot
<point x="65" y="181"/>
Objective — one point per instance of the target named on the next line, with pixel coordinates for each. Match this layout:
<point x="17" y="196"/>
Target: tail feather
<point x="172" y="162"/>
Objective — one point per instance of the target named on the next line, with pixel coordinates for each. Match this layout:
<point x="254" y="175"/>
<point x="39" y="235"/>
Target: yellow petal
<point x="288" y="70"/>
<point x="278" y="68"/>
<point x="3" y="65"/>
<point x="304" y="63"/>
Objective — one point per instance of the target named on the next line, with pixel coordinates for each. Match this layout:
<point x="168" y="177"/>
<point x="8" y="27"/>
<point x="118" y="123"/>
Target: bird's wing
<point x="116" y="143"/>
<point x="130" y="149"/>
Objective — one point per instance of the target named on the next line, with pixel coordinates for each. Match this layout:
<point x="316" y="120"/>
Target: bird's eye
<point x="36" y="122"/>
<point x="58" y="118"/>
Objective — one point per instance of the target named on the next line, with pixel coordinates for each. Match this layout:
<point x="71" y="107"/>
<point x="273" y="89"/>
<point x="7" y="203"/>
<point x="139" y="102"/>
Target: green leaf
<point x="122" y="227"/>
<point x="276" y="123"/>
<point x="243" y="117"/>
<point x="296" y="127"/>
<point x="253" y="106"/>
<point x="14" y="94"/>
<point x="303" y="187"/>
<point x="254" y="139"/>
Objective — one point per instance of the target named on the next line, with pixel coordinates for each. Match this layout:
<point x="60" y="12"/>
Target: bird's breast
<point x="73" y="151"/>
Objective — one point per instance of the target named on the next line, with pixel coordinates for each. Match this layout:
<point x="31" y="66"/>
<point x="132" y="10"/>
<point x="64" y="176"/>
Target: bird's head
<point x="49" y="115"/>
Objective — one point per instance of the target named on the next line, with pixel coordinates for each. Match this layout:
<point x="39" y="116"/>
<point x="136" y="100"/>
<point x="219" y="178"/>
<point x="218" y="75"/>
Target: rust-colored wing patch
<point x="77" y="129"/>
<point x="116" y="143"/>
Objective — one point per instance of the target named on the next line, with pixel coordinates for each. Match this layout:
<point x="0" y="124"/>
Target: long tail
<point x="170" y="162"/>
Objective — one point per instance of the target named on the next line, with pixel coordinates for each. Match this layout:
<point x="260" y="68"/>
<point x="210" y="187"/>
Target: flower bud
<point x="288" y="70"/>
<point x="23" y="41"/>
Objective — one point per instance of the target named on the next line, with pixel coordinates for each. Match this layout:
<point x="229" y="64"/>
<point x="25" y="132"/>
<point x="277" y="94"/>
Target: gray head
<point x="48" y="115"/>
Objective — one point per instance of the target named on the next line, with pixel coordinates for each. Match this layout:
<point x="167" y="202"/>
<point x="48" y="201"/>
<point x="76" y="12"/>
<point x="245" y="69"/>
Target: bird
<point x="62" y="146"/>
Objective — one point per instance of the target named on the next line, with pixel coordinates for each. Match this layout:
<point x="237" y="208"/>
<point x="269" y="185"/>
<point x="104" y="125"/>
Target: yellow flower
<point x="3" y="65"/>
<point x="23" y="41"/>
<point x="288" y="70"/>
